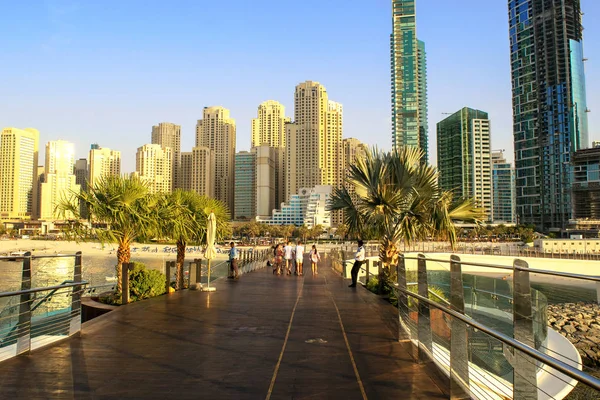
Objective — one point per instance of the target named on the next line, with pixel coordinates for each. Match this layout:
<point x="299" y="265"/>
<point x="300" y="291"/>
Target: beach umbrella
<point x="210" y="253"/>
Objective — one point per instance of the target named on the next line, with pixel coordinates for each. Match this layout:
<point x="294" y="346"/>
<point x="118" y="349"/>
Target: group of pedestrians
<point x="287" y="257"/>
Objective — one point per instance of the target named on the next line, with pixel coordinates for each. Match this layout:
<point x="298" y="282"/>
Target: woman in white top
<point x="299" y="258"/>
<point x="314" y="259"/>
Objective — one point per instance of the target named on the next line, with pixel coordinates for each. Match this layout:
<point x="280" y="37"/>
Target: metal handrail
<point x="593" y="278"/>
<point x="43" y="289"/>
<point x="539" y="356"/>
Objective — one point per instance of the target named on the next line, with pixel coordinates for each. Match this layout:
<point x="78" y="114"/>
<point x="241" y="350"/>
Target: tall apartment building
<point x="60" y="181"/>
<point x="269" y="125"/>
<point x="409" y="79"/>
<point x="245" y="186"/>
<point x="549" y="106"/>
<point x="267" y="160"/>
<point x="197" y="167"/>
<point x="154" y="165"/>
<point x="464" y="159"/>
<point x="352" y="149"/>
<point x="269" y="128"/>
<point x="18" y="173"/>
<point x="216" y="131"/>
<point x="503" y="189"/>
<point x="167" y="134"/>
<point x="314" y="140"/>
<point x="103" y="162"/>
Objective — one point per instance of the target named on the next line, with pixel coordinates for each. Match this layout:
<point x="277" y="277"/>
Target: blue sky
<point x="106" y="71"/>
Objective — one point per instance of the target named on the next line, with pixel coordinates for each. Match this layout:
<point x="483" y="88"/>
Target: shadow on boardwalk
<point x="230" y="345"/>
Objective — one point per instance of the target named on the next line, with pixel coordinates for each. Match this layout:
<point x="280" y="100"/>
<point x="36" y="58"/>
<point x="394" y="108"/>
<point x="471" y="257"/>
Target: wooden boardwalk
<point x="262" y="337"/>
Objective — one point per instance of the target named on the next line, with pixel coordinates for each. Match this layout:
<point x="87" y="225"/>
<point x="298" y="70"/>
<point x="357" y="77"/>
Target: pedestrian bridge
<point x="284" y="337"/>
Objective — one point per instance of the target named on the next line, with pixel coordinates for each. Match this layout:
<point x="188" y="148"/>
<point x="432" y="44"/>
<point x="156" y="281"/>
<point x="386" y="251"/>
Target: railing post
<point x="525" y="376"/>
<point x="379" y="277"/>
<point x="75" y="325"/>
<point x="424" y="317"/>
<point x="125" y="277"/>
<point x="195" y="274"/>
<point x="368" y="271"/>
<point x="402" y="296"/>
<point x="24" y="324"/>
<point x="459" y="354"/>
<point x="168" y="265"/>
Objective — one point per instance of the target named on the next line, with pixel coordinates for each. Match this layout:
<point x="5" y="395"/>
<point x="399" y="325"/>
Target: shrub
<point x="145" y="283"/>
<point x="373" y="284"/>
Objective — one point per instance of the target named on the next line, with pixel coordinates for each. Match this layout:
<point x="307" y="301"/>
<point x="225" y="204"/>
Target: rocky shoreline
<point x="580" y="323"/>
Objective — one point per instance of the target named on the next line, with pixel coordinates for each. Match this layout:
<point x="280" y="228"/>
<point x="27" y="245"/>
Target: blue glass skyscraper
<point x="409" y="79"/>
<point x="549" y="106"/>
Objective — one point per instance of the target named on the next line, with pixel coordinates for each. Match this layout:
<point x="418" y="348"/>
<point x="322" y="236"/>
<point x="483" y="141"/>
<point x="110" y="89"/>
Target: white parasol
<point x="210" y="253"/>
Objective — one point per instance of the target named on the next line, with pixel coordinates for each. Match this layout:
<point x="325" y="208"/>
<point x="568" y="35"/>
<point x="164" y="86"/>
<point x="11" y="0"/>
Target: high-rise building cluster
<point x="289" y="160"/>
<point x="294" y="163"/>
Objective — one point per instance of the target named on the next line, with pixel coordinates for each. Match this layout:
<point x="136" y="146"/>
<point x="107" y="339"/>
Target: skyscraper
<point x="245" y="186"/>
<point x="154" y="165"/>
<point x="314" y="140"/>
<point x="103" y="162"/>
<point x="197" y="168"/>
<point x="167" y="134"/>
<point x="269" y="127"/>
<point x="409" y="79"/>
<point x="503" y="189"/>
<point x="464" y="164"/>
<point x="60" y="180"/>
<point x="81" y="178"/>
<point x="216" y="131"/>
<point x="18" y="173"/>
<point x="267" y="158"/>
<point x="549" y="106"/>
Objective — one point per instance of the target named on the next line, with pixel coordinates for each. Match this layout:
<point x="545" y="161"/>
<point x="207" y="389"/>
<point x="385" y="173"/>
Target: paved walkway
<point x="262" y="337"/>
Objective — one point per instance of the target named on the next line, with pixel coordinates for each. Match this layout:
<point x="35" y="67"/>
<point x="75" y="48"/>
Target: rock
<point x="583" y="328"/>
<point x="569" y="328"/>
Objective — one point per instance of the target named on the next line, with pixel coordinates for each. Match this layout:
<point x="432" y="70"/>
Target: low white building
<point x="568" y="246"/>
<point x="308" y="207"/>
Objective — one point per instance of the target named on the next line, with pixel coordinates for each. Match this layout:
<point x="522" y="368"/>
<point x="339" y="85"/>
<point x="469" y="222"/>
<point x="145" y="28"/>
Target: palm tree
<point x="398" y="199"/>
<point x="342" y="231"/>
<point x="183" y="215"/>
<point x="119" y="210"/>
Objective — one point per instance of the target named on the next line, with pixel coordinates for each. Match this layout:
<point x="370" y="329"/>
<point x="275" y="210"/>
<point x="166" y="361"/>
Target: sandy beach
<point x="46" y="247"/>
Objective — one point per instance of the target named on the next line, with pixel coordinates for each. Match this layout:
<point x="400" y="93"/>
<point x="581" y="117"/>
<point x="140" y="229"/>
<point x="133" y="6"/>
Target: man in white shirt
<point x="299" y="258"/>
<point x="359" y="259"/>
<point x="288" y="251"/>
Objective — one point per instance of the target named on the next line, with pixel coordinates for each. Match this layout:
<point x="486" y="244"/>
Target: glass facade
<point x="503" y="190"/>
<point x="549" y="120"/>
<point x="409" y="84"/>
<point x="245" y="186"/>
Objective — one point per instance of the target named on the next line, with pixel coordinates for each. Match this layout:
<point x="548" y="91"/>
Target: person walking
<point x="288" y="250"/>
<point x="299" y="258"/>
<point x="359" y="259"/>
<point x="279" y="258"/>
<point x="234" y="255"/>
<point x="314" y="259"/>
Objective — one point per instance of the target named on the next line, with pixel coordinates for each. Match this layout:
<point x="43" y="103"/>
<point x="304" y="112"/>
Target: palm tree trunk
<point x="180" y="260"/>
<point x="123" y="256"/>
